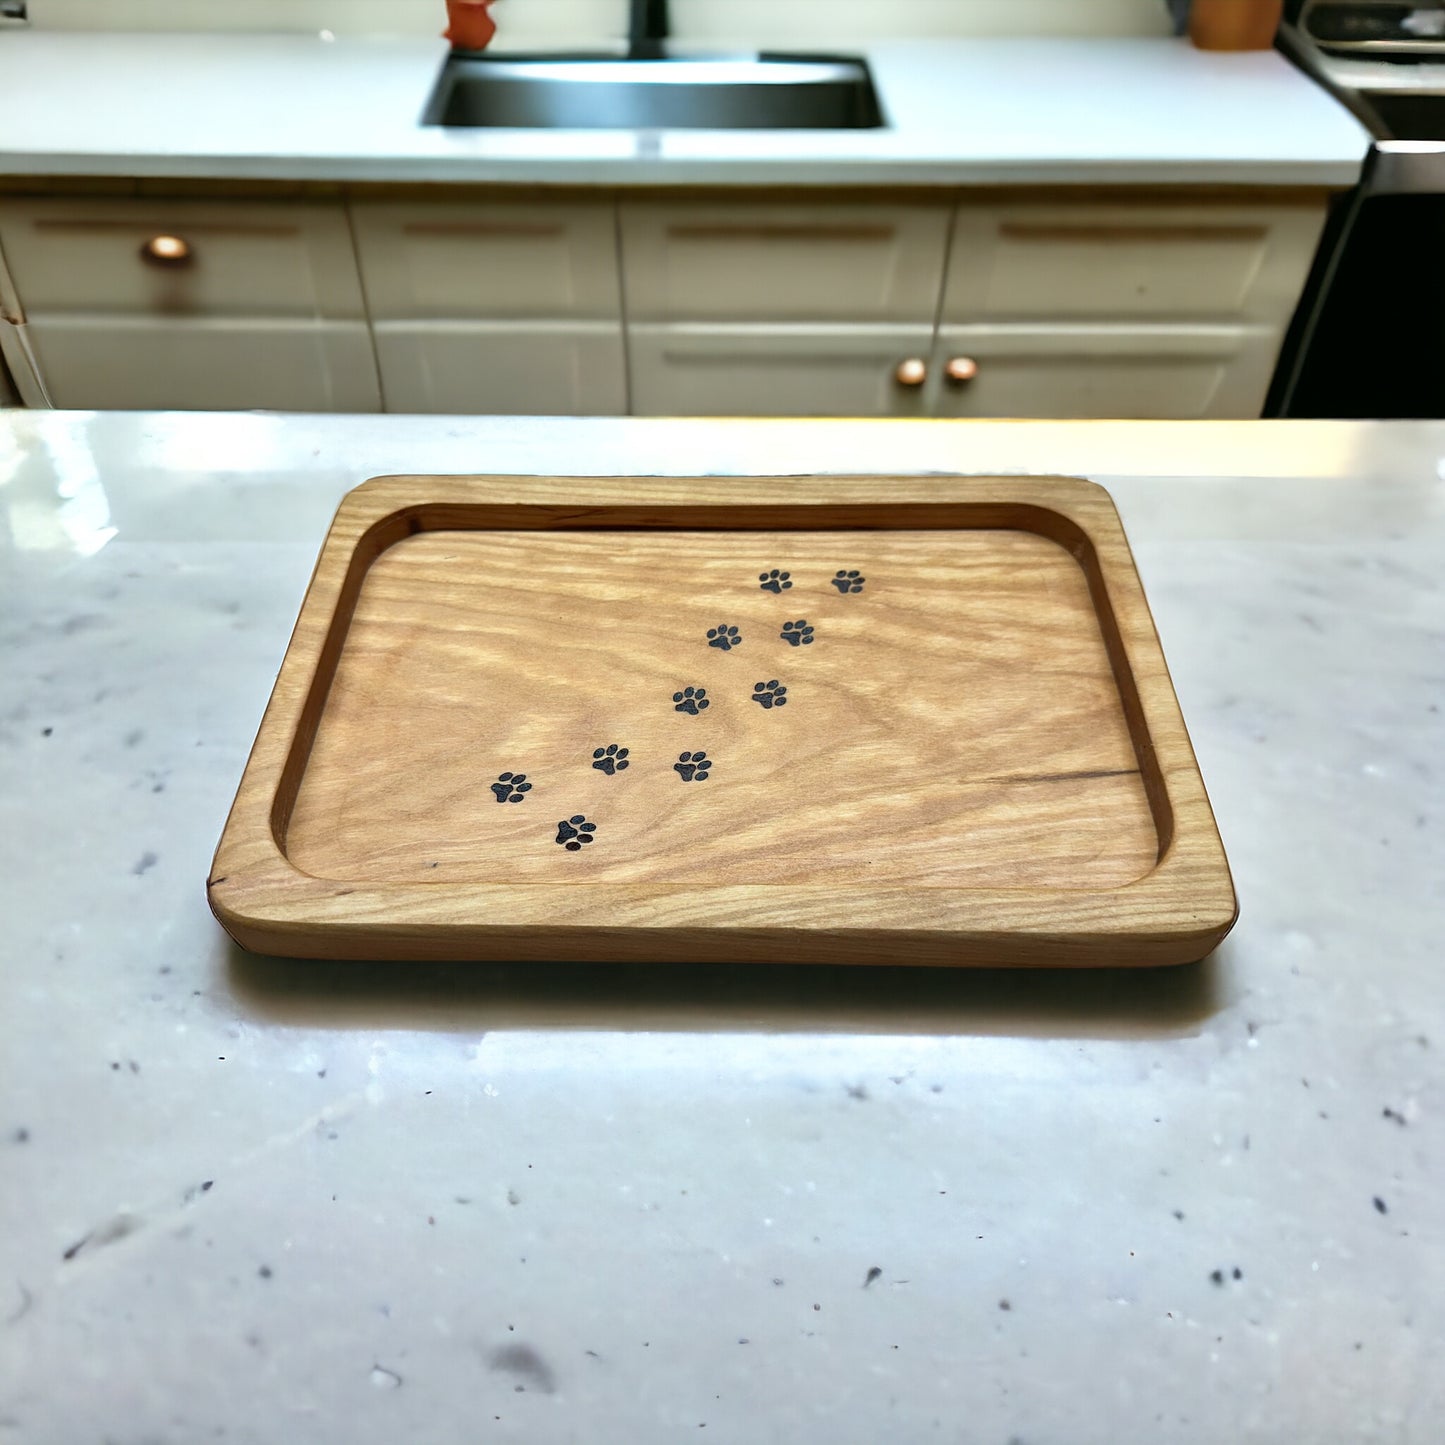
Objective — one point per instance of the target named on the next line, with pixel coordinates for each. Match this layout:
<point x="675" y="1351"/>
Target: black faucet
<point x="647" y="30"/>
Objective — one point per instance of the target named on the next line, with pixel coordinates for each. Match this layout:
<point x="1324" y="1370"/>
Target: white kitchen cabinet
<point x="803" y="309"/>
<point x="179" y="303"/>
<point x="1072" y="308"/>
<point x="222" y="364"/>
<point x="499" y="306"/>
<point x="1069" y="305"/>
<point x="859" y="264"/>
<point x="1061" y="371"/>
<point x="1219" y="262"/>
<point x="537" y="368"/>
<point x="779" y="370"/>
<point x="488" y="260"/>
<point x="1087" y="309"/>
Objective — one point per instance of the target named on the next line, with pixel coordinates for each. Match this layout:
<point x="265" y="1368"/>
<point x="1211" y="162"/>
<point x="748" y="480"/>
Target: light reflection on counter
<point x="73" y="513"/>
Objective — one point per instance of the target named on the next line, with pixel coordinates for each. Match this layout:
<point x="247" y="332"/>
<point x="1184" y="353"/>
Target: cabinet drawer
<point x="488" y="261"/>
<point x="778" y="264"/>
<point x="1225" y="263"/>
<point x="103" y="257"/>
<point x="1088" y="371"/>
<point x="774" y="371"/>
<point x="534" y="370"/>
<point x="218" y="365"/>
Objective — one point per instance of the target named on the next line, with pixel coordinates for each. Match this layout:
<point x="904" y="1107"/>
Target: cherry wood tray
<point x="875" y="719"/>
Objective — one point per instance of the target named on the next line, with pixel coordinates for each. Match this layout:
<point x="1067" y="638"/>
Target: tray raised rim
<point x="1175" y="913"/>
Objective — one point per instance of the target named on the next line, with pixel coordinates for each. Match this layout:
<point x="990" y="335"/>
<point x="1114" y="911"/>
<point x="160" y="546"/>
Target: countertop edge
<point x="624" y="173"/>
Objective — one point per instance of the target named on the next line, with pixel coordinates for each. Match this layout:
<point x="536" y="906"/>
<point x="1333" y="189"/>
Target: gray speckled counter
<point x="260" y="1201"/>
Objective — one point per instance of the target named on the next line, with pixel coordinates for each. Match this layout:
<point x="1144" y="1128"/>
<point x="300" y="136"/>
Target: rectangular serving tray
<point x="795" y="719"/>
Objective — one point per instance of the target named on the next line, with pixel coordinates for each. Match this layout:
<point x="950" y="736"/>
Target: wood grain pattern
<point x="980" y="759"/>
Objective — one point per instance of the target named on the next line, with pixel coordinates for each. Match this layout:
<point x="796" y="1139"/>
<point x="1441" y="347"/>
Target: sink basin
<point x="759" y="92"/>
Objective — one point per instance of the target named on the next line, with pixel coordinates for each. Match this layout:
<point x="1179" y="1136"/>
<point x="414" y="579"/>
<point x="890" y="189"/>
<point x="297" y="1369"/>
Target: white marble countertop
<point x="965" y="111"/>
<point x="365" y="1203"/>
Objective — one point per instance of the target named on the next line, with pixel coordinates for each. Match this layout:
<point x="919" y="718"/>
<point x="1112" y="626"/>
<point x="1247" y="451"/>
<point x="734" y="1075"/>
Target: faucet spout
<point x="647" y="30"/>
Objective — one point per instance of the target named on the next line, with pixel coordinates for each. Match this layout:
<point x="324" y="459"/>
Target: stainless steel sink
<point x="761" y="92"/>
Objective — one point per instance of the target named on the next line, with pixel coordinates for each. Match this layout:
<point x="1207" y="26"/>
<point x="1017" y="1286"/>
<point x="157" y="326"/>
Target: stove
<point x="1358" y="348"/>
<point x="1386" y="61"/>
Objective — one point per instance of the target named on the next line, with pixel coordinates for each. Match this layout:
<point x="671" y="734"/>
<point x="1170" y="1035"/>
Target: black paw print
<point x="774" y="581"/>
<point x="691" y="700"/>
<point x="573" y="832"/>
<point x="610" y="759"/>
<point x="511" y="787"/>
<point x="770" y="694"/>
<point x="798" y="633"/>
<point x="723" y="636"/>
<point x="693" y="767"/>
<point x="847" y="582"/>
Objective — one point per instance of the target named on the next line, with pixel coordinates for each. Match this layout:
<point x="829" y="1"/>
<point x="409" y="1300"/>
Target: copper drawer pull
<point x="911" y="373"/>
<point x="167" y="251"/>
<point x="961" y="370"/>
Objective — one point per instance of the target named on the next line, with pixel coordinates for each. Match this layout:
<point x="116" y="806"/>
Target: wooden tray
<point x="883" y="719"/>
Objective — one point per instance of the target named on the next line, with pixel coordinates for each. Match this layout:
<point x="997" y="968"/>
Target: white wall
<point x="583" y="19"/>
<point x="573" y="22"/>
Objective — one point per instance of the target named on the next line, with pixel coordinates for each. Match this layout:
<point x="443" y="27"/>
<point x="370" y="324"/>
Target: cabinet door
<point x="219" y="365"/>
<point x="777" y="371"/>
<point x="499" y="307"/>
<point x="1074" y="261"/>
<point x="856" y="264"/>
<point x="522" y="370"/>
<point x="489" y="261"/>
<point x="1091" y="371"/>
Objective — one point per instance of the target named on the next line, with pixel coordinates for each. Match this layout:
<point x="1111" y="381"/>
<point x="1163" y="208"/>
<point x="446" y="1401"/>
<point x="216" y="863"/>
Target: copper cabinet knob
<point x="961" y="370"/>
<point x="167" y="251"/>
<point x="913" y="372"/>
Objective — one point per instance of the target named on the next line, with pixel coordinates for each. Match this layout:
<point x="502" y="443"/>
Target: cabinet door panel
<point x="775" y="371"/>
<point x="241" y="258"/>
<point x="488" y="261"/>
<point x="1107" y="372"/>
<point x="146" y="365"/>
<point x="536" y="370"/>
<point x="779" y="264"/>
<point x="1216" y="262"/>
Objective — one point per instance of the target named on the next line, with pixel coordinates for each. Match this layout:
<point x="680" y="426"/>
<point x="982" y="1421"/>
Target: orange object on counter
<point x="469" y="25"/>
<point x="1234" y="24"/>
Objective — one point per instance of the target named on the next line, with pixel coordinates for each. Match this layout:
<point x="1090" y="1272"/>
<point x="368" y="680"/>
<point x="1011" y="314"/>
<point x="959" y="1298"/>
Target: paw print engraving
<point x="723" y="636"/>
<point x="512" y="788"/>
<point x="847" y="582"/>
<point x="693" y="767"/>
<point x="573" y="832"/>
<point x="610" y="759"/>
<point x="770" y="694"/>
<point x="774" y="581"/>
<point x="691" y="700"/>
<point x="798" y="633"/>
